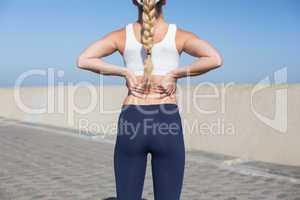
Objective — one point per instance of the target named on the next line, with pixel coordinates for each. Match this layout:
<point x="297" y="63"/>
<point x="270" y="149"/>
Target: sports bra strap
<point x="165" y="56"/>
<point x="169" y="36"/>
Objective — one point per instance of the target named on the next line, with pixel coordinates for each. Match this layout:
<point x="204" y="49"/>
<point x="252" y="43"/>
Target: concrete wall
<point x="258" y="122"/>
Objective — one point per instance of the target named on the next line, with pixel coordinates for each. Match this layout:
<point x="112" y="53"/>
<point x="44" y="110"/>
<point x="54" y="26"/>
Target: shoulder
<point x="183" y="37"/>
<point x="116" y="37"/>
<point x="117" y="34"/>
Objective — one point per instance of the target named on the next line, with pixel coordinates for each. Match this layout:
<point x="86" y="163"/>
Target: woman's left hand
<point x="168" y="84"/>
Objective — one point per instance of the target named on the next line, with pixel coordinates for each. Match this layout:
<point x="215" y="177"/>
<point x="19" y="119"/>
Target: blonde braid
<point x="149" y="12"/>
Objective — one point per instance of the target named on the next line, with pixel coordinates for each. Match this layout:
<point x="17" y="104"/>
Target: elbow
<point x="218" y="60"/>
<point x="81" y="62"/>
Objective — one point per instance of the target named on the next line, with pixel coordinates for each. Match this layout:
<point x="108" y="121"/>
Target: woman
<point x="149" y="121"/>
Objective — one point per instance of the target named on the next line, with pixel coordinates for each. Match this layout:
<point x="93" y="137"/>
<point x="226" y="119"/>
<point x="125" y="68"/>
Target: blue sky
<point x="255" y="37"/>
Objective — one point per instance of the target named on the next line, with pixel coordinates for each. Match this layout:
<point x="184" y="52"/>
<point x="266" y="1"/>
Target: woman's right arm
<point x="90" y="58"/>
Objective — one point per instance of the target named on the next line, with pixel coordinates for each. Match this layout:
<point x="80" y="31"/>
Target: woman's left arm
<point x="208" y="57"/>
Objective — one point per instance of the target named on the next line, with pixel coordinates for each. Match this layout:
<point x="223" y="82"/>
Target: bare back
<point x="185" y="42"/>
<point x="154" y="97"/>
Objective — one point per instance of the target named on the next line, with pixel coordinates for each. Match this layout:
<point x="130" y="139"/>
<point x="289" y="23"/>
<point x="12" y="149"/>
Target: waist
<point x="153" y="97"/>
<point x="154" y="108"/>
<point x="133" y="100"/>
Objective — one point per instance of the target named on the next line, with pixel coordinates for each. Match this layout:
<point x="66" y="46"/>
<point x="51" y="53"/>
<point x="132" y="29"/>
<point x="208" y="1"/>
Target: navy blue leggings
<point x="154" y="129"/>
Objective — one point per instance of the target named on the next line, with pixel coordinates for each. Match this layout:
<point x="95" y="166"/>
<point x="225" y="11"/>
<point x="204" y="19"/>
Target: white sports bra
<point x="165" y="56"/>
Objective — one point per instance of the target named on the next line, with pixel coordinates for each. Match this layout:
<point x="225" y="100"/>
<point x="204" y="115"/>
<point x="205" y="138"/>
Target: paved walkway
<point x="44" y="162"/>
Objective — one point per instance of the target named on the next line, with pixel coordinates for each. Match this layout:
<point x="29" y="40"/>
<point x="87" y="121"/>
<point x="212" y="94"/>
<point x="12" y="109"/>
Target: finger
<point x="170" y="91"/>
<point x="157" y="89"/>
<point x="138" y="89"/>
<point x="163" y="95"/>
<point x="139" y="95"/>
<point x="161" y="87"/>
<point x="133" y="88"/>
<point x="140" y="86"/>
<point x="173" y="91"/>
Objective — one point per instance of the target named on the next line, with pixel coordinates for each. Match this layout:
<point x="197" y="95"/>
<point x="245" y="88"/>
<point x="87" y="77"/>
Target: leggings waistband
<point x="152" y="108"/>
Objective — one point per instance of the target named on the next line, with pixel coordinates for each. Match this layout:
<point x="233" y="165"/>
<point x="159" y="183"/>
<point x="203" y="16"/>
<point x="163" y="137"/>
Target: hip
<point x="154" y="118"/>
